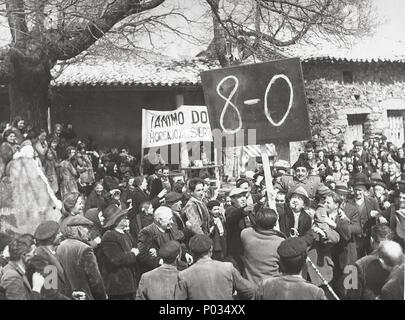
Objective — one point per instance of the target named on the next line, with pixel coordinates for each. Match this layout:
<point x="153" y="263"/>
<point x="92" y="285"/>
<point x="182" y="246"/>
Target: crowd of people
<point x="334" y="227"/>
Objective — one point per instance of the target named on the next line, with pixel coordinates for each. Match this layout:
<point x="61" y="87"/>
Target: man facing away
<point x="159" y="284"/>
<point x="290" y="285"/>
<point x="209" y="279"/>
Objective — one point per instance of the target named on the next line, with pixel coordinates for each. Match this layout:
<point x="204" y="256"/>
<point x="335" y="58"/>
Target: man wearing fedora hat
<point x="369" y="211"/>
<point x="118" y="256"/>
<point x="294" y="220"/>
<point x="301" y="178"/>
<point x="349" y="212"/>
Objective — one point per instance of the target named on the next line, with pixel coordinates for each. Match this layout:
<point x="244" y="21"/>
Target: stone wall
<point x="330" y="101"/>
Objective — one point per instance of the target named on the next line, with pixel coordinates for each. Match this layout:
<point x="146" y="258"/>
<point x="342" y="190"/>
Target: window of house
<point x="347" y="76"/>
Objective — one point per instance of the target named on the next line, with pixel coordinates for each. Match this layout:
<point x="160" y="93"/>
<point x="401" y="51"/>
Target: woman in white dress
<point x="32" y="197"/>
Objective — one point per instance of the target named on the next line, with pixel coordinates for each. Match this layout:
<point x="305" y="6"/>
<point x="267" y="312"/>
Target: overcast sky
<point x="392" y="11"/>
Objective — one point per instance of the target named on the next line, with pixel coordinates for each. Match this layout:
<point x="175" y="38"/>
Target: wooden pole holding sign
<point x="269" y="182"/>
<point x="267" y="176"/>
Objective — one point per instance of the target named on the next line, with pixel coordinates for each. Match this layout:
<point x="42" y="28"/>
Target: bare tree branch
<point x="16" y="20"/>
<point x="72" y="43"/>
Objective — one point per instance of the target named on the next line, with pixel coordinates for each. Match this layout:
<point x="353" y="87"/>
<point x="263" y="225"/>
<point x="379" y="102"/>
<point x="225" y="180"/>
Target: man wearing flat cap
<point x="47" y="236"/>
<point x="79" y="261"/>
<point x="238" y="217"/>
<point x="358" y="152"/>
<point x="311" y="183"/>
<point x="290" y="285"/>
<point x="208" y="279"/>
<point x="159" y="284"/>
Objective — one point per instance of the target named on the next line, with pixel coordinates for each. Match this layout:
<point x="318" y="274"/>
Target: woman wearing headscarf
<point x="97" y="230"/>
<point x="7" y="150"/>
<point x="19" y="129"/>
<point x="97" y="198"/>
<point x="73" y="205"/>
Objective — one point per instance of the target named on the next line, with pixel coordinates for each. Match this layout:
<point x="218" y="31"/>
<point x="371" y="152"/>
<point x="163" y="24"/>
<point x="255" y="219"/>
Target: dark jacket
<point x="138" y="197"/>
<point x="371" y="278"/>
<point x="235" y="218"/>
<point x="156" y="187"/>
<point x="117" y="263"/>
<point x="394" y="287"/>
<point x="365" y="220"/>
<point x="96" y="201"/>
<point x="151" y="237"/>
<point x="81" y="269"/>
<point x="63" y="291"/>
<point x="346" y="248"/>
<point x="286" y="221"/>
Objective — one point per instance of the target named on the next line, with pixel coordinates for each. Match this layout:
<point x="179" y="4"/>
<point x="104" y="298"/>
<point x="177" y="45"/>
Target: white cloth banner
<point x="185" y="124"/>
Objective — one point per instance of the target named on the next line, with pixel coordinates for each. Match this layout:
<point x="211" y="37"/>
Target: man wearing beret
<point x="78" y="260"/>
<point x="159" y="284"/>
<point x="301" y="178"/>
<point x="290" y="285"/>
<point x="47" y="236"/>
<point x="208" y="279"/>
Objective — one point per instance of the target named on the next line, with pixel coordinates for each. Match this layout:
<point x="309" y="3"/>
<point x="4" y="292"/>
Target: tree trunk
<point x="29" y="89"/>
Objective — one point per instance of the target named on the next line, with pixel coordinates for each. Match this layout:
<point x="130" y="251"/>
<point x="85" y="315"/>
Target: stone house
<point x="348" y="97"/>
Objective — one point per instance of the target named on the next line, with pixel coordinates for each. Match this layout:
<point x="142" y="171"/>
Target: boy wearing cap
<point x="209" y="279"/>
<point x="290" y="285"/>
<point x="217" y="230"/>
